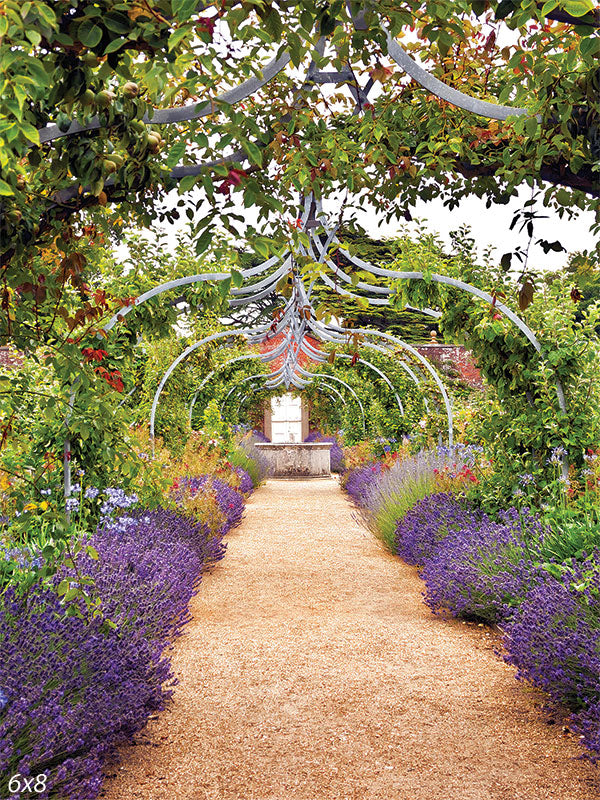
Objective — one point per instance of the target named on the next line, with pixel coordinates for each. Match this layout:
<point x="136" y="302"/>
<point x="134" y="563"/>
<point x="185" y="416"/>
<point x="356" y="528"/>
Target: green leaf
<point x="273" y="24"/>
<point x="33" y="36"/>
<point x="306" y="20"/>
<point x="531" y="127"/>
<point x="224" y="287"/>
<point x="116" y="22"/>
<point x="92" y="552"/>
<point x="186" y="183"/>
<point x="262" y="249"/>
<point x="203" y="241"/>
<point x="115" y="45"/>
<point x="237" y="279"/>
<point x="254" y="152"/>
<point x="176" y="152"/>
<point x="89" y="33"/>
<point x="505" y="7"/>
<point x="29" y="132"/>
<point x="5" y="189"/>
<point x="589" y="46"/>
<point x="548" y="7"/>
<point x="183" y="9"/>
<point x="177" y="36"/>
<point x="578" y="8"/>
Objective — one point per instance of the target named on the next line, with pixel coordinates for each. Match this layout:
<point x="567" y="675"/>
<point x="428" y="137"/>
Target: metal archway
<point x="210" y="375"/>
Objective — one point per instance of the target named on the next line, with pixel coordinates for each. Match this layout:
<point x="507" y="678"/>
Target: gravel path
<point x="312" y="671"/>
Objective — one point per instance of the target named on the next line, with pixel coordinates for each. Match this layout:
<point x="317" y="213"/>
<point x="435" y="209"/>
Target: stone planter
<point x="297" y="460"/>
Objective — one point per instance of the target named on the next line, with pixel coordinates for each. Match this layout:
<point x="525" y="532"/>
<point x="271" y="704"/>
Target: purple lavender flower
<point x="526" y="479"/>
<point x="553" y="638"/>
<point x="246" y="484"/>
<point x="91" y="493"/>
<point x="78" y="690"/>
<point x="360" y="481"/>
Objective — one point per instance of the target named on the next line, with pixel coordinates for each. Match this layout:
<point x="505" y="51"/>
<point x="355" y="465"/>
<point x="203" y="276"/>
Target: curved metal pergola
<point x="298" y="318"/>
<point x="314" y="376"/>
<point x="211" y="374"/>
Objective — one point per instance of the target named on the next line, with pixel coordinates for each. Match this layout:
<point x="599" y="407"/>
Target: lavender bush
<point x="553" y="638"/>
<point x="359" y="481"/>
<point x="259" y="436"/>
<point x="246" y="482"/>
<point x="386" y="495"/>
<point x="419" y="532"/>
<point x="482" y="569"/>
<point x="72" y="689"/>
<point x="250" y="458"/>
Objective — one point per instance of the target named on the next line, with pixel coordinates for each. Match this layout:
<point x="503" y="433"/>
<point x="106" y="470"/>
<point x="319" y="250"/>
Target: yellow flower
<point x="30" y="507"/>
<point x="44" y="505"/>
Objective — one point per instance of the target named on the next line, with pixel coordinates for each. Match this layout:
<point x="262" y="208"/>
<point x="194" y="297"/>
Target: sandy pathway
<point x="312" y="671"/>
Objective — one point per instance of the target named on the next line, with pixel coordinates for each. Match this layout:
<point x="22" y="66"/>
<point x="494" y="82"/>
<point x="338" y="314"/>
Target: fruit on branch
<point x="155" y="141"/>
<point x="131" y="90"/>
<point x="88" y="98"/>
<point x="104" y="98"/>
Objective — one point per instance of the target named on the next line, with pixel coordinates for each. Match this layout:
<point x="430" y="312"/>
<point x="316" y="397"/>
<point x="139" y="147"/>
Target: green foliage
<point x="117" y="62"/>
<point x="212" y="422"/>
<point x="239" y="458"/>
<point x="382" y="414"/>
<point x="520" y="420"/>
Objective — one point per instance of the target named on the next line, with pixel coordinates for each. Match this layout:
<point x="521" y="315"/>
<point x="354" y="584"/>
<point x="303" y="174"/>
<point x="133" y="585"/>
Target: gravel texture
<point x="312" y="671"/>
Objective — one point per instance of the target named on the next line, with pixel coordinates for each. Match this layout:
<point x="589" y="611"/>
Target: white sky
<point x="488" y="226"/>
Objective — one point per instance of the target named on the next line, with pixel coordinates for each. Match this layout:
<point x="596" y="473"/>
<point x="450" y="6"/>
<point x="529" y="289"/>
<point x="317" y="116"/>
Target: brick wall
<point x="10" y="357"/>
<point x="456" y="356"/>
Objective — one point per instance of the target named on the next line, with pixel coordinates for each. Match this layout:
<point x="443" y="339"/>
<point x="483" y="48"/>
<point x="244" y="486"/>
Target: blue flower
<point x="556" y="455"/>
<point x="91" y="493"/>
<point x="71" y="504"/>
<point x="526" y="479"/>
<point x="3" y="700"/>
